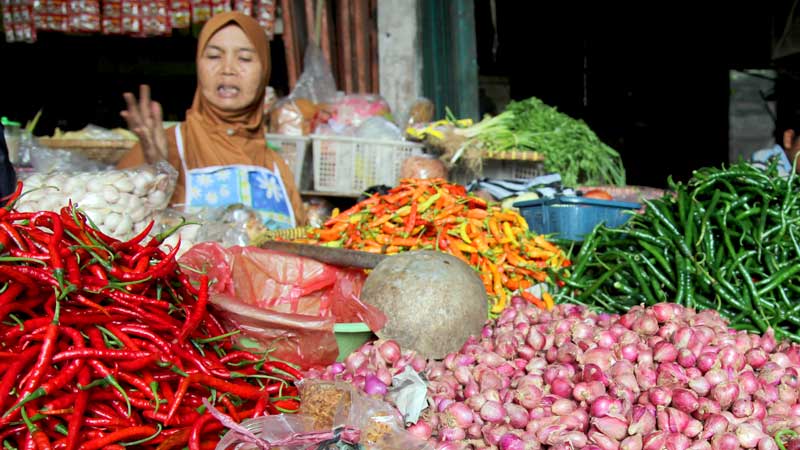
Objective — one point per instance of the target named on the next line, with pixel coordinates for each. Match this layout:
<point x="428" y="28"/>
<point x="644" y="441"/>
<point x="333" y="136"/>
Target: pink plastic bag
<point x="284" y="302"/>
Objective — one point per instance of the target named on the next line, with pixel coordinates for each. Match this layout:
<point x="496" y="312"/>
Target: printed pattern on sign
<point x="214" y="188"/>
<point x="268" y="195"/>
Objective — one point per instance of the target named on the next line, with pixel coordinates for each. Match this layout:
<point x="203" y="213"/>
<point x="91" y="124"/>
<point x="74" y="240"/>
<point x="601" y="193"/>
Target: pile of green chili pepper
<point x="108" y="344"/>
<point x="728" y="239"/>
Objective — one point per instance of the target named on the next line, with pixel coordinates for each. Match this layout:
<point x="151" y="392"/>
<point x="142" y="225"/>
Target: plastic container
<point x="351" y="336"/>
<point x="293" y="150"/>
<point x="13" y="133"/>
<point x="351" y="165"/>
<point x="572" y="218"/>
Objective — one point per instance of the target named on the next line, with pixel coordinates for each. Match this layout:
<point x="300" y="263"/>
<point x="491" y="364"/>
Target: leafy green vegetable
<point x="569" y="146"/>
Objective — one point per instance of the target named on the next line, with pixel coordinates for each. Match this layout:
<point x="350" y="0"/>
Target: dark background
<point x="651" y="81"/>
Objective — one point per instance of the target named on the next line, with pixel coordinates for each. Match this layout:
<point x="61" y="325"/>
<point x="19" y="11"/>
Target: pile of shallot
<point x="658" y="377"/>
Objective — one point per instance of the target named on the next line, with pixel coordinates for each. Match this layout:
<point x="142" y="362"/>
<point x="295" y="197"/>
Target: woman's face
<point x="229" y="70"/>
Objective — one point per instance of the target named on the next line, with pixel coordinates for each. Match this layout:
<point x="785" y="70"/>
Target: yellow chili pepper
<point x="510" y="234"/>
<point x="466" y="248"/>
<point x="499" y="290"/>
<point x="462" y="232"/>
<point x="548" y="300"/>
<point x="404" y="211"/>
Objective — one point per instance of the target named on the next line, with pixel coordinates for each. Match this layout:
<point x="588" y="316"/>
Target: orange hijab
<point x="228" y="137"/>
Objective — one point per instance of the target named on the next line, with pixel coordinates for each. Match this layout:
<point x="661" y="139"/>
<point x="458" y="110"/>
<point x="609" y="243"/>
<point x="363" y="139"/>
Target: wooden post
<point x="362" y="44"/>
<point x="374" y="78"/>
<point x="290" y="43"/>
<point x="346" y="45"/>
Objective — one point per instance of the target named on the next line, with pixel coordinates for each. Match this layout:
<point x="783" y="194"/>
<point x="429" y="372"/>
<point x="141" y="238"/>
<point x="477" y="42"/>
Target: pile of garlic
<point x="120" y="202"/>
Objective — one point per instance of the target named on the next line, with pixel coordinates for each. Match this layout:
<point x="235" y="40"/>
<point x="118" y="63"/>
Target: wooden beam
<point x="290" y="42"/>
<point x="374" y="83"/>
<point x="362" y="44"/>
<point x="346" y="45"/>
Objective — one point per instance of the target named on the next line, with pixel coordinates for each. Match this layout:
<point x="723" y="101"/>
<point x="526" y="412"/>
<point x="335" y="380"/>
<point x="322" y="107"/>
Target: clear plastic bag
<point x="331" y="413"/>
<point x="354" y="109"/>
<point x="316" y="83"/>
<point x="284" y="302"/>
<point x="378" y="127"/>
<point x="120" y="203"/>
<point x="47" y="160"/>
<point x="292" y="117"/>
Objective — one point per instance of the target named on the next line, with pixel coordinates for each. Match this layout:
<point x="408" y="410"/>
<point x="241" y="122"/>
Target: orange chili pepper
<point x="534" y="300"/>
<point x="404" y="242"/>
<point x="495" y="229"/>
<point x="512" y="283"/>
<point x="477" y="213"/>
<point x="541" y="242"/>
<point x="513" y="258"/>
<point x="480" y="244"/>
<point x="448" y="212"/>
<point x="411" y="219"/>
<point x="452" y="248"/>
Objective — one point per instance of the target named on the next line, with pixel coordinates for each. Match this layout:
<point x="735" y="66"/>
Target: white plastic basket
<point x="351" y="165"/>
<point x="294" y="150"/>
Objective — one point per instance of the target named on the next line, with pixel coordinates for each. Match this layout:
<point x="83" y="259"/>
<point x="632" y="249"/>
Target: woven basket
<point x="108" y="151"/>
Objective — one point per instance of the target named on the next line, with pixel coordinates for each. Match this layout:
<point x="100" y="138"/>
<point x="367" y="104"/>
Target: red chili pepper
<point x="76" y="420"/>
<point x="161" y="269"/>
<point x="73" y="270"/>
<point x="138" y="364"/>
<point x="269" y="365"/>
<point x="245" y="391"/>
<point x="53" y="243"/>
<point x="12" y="233"/>
<point x="98" y="271"/>
<point x="55" y="383"/>
<point x="99" y="354"/>
<point x="119" y="435"/>
<point x="89" y="318"/>
<point x="134" y="241"/>
<point x="198" y="311"/>
<point x="12" y="274"/>
<point x="38" y="436"/>
<point x="144" y="332"/>
<point x="12" y="431"/>
<point x="188" y="355"/>
<point x="9" y="200"/>
<point x="232" y="410"/>
<point x="61" y="402"/>
<point x="197" y="431"/>
<point x="131" y="299"/>
<point x="158" y="322"/>
<point x="239" y="355"/>
<point x="185" y="418"/>
<point x="36" y="374"/>
<point x="12" y="371"/>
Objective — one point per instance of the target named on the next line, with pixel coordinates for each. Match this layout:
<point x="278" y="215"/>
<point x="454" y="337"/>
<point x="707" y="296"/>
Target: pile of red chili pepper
<point x="108" y="344"/>
<point x="435" y="215"/>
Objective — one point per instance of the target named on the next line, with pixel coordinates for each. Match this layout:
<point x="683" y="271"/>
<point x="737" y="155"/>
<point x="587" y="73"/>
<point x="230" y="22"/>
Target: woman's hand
<point x="145" y="121"/>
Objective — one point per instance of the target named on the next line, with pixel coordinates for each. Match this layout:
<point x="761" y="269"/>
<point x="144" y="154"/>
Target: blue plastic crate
<point x="573" y="217"/>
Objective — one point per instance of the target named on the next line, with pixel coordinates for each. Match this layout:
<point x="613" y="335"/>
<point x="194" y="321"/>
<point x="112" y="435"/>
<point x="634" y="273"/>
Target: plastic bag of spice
<point x="332" y="414"/>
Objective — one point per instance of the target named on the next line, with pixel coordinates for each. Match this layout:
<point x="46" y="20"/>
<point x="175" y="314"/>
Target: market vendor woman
<point x="219" y="150"/>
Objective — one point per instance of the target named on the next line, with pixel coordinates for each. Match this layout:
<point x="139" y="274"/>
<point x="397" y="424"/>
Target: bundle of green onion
<point x="569" y="146"/>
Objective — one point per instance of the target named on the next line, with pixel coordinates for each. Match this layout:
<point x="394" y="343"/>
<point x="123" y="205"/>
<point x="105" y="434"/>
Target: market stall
<point x="562" y="310"/>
